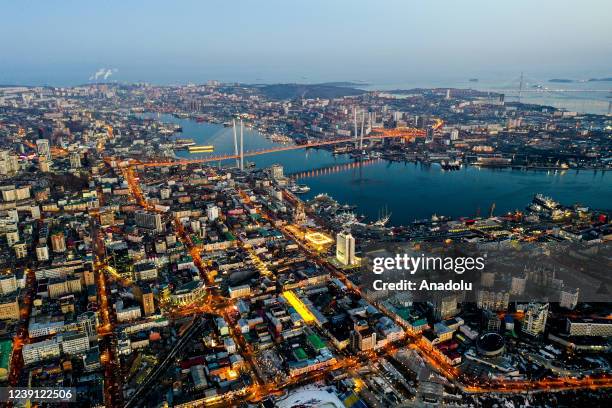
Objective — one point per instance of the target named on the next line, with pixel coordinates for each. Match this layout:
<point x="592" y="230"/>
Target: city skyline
<point x="281" y="204"/>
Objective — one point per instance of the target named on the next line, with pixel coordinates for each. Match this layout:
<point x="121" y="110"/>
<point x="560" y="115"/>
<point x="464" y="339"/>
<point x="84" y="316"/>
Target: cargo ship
<point x="544" y="201"/>
<point x="493" y="162"/>
<point x="299" y="189"/>
<point x="201" y="149"/>
<point x="183" y="143"/>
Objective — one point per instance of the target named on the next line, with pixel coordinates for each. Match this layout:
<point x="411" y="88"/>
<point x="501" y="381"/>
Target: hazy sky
<point x="65" y="42"/>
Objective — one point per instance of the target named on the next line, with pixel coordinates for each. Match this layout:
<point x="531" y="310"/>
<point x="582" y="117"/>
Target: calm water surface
<point x="413" y="191"/>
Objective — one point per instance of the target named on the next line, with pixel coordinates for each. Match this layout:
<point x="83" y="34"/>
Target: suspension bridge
<point x="405" y="133"/>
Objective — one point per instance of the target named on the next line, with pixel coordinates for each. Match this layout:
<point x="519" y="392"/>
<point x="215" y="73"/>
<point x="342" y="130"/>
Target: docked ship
<point x="544" y="201"/>
<point x="201" y="148"/>
<point x="299" y="189"/>
<point x="450" y="164"/>
<point x="183" y="143"/>
<point x="342" y="149"/>
<point x="493" y="162"/>
<point x="534" y="207"/>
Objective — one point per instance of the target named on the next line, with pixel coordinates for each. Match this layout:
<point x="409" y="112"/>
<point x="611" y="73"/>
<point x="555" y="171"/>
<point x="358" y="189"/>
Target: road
<point x="430" y="355"/>
<point x="107" y="340"/>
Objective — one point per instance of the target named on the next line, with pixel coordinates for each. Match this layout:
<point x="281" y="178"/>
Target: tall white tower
<point x="345" y="248"/>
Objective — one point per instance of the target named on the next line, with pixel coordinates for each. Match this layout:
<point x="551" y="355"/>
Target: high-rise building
<point x="277" y="171"/>
<point x="43" y="148"/>
<point x="107" y="217"/>
<point x="454" y="135"/>
<point x="518" y="285"/>
<point x="75" y="160"/>
<point x="58" y="242"/>
<point x="487" y="279"/>
<point x="152" y="221"/>
<point x="445" y="307"/>
<point x="568" y="298"/>
<point x="9" y="307"/>
<point x="345" y="248"/>
<point x="44" y="164"/>
<point x="21" y="250"/>
<point x="165" y="193"/>
<point x="8" y="284"/>
<point x="9" y="164"/>
<point x="492" y="300"/>
<point x="195" y="226"/>
<point x="148" y="303"/>
<point x="490" y="322"/>
<point x="536" y="315"/>
<point x="212" y="212"/>
<point x="14" y="193"/>
<point x="42" y="252"/>
<point x="89" y="277"/>
<point x="299" y="214"/>
<point x="12" y="237"/>
<point x="88" y="322"/>
<point x="35" y="212"/>
<point x="363" y="339"/>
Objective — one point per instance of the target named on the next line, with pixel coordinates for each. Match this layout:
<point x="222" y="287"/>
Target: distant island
<point x="567" y="81"/>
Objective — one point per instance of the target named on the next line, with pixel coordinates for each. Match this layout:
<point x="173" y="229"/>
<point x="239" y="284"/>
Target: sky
<point x="377" y="41"/>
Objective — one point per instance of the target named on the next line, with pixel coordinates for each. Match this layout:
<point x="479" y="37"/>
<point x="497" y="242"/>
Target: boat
<point x="341" y="150"/>
<point x="201" y="148"/>
<point x="450" y="164"/>
<point x="299" y="189"/>
<point x="544" y="201"/>
<point x="183" y="143"/>
<point x="345" y="219"/>
<point x="383" y="219"/>
<point x="493" y="162"/>
<point x="534" y="207"/>
<point x="348" y="207"/>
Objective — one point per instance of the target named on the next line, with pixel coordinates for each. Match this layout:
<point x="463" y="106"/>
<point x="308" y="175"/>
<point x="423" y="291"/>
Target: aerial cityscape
<point x="263" y="243"/>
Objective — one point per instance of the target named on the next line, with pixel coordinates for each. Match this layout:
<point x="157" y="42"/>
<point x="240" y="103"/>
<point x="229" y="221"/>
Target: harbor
<point x="409" y="186"/>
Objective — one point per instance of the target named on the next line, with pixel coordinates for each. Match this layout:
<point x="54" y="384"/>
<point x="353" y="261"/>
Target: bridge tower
<point x="241" y="145"/>
<point x="235" y="143"/>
